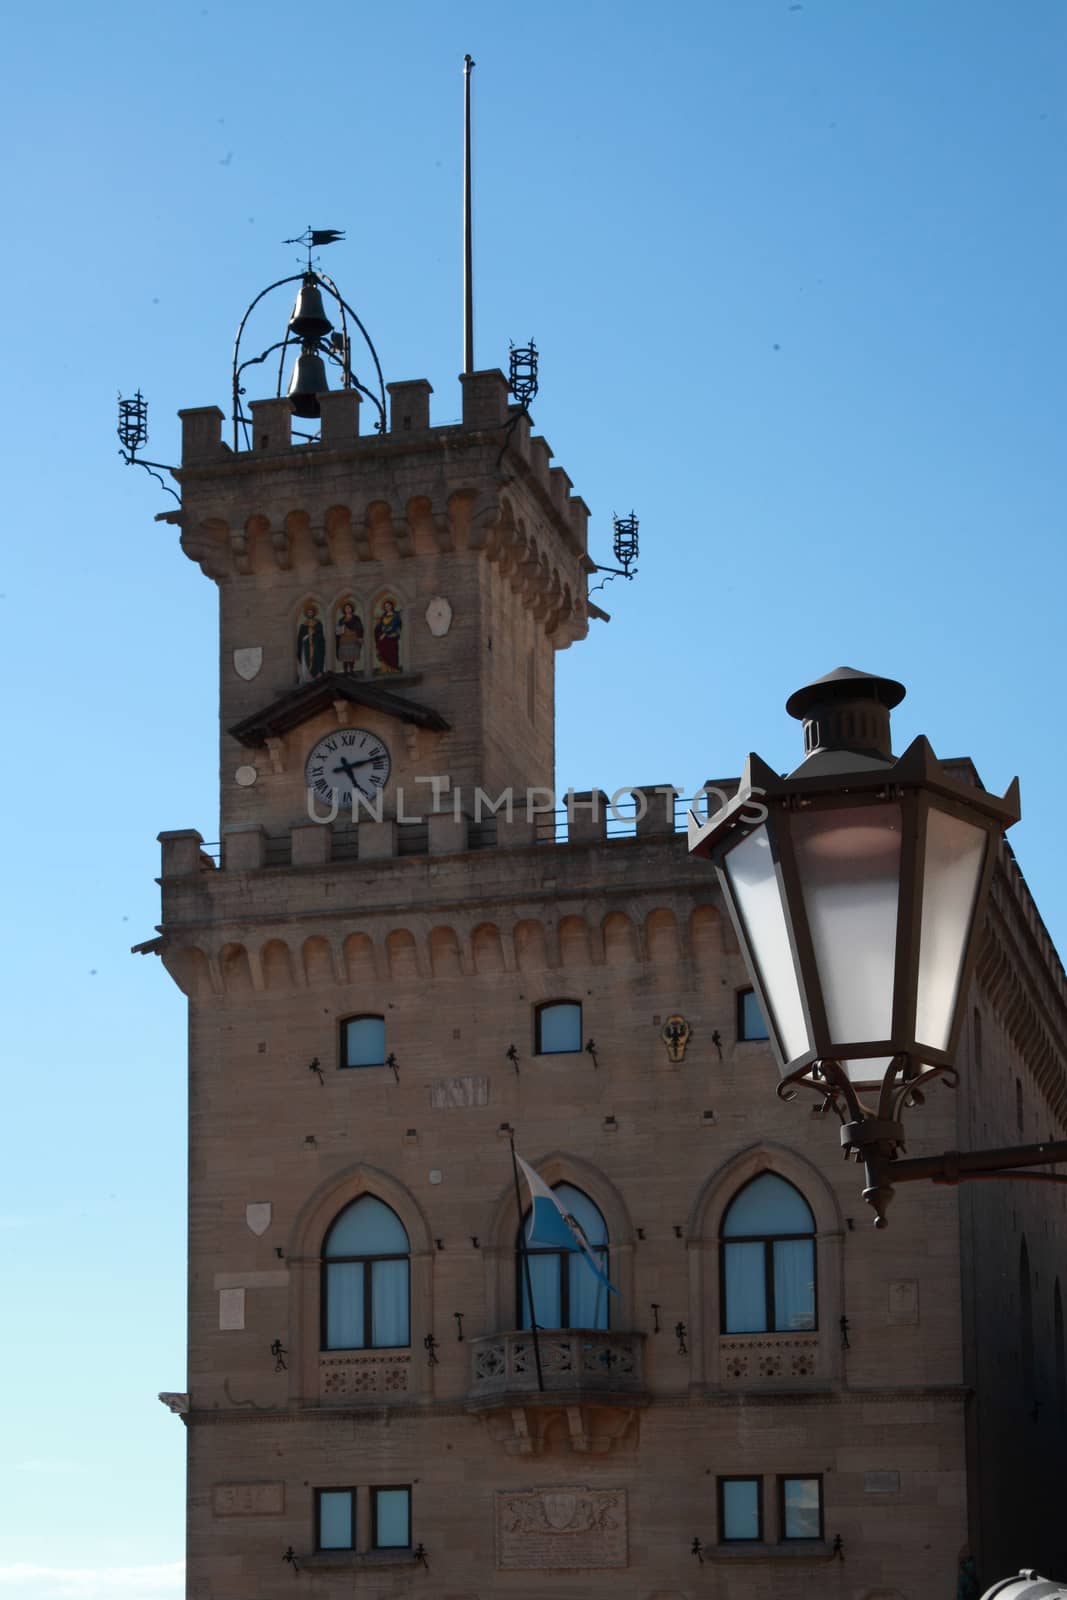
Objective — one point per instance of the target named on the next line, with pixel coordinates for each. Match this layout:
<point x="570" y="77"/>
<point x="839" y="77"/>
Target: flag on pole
<point x="551" y="1227"/>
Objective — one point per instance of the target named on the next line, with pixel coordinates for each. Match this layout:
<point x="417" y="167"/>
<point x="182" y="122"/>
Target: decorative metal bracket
<point x="133" y="434"/>
<point x="624" y="547"/>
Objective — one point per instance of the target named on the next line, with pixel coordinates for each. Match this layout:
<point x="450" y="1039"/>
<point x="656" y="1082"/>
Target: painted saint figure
<point x="348" y="636"/>
<point x="310" y="646"/>
<point x="387" y="636"/>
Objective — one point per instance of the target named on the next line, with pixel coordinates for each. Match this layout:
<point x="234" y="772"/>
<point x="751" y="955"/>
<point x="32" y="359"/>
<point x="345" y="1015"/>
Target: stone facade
<point x="454" y="929"/>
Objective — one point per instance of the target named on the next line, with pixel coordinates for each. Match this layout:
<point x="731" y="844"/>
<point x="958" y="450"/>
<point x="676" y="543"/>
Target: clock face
<point x="350" y="761"/>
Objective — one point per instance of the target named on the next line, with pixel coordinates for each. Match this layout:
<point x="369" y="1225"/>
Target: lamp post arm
<point x="957" y="1166"/>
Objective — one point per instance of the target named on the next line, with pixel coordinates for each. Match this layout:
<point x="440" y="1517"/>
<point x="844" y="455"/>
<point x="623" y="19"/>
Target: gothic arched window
<point x="366" y="1279"/>
<point x="566" y="1293"/>
<point x="768" y="1259"/>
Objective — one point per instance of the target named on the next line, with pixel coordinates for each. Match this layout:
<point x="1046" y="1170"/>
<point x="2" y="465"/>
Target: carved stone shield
<point x="559" y="1509"/>
<point x="247" y="662"/>
<point x="258" y="1216"/>
<point x="438" y="616"/>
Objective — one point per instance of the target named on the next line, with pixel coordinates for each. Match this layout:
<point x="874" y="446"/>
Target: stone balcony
<point x="578" y="1366"/>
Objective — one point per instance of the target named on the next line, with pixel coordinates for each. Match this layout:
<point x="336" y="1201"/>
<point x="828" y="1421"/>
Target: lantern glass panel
<point x="753" y="880"/>
<point x="848" y="859"/>
<point x="952" y="870"/>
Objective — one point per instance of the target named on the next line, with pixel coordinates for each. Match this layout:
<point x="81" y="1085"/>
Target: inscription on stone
<point x="449" y="1094"/>
<point x="881" y="1483"/>
<point x="904" y="1300"/>
<point x="561" y="1529"/>
<point x="248" y="1499"/>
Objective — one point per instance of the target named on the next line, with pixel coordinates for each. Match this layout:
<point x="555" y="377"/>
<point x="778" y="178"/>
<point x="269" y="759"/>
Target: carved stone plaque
<point x="561" y="1529"/>
<point x="248" y="1499"/>
<point x="458" y="1093"/>
<point x="231" y="1309"/>
<point x="881" y="1483"/>
<point x="904" y="1301"/>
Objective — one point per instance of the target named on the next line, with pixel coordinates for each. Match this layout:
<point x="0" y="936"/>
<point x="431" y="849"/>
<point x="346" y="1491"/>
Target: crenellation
<point x="409" y="405"/>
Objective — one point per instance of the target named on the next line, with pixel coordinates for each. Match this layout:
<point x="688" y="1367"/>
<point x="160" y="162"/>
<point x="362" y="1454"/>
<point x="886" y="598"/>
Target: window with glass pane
<point x="566" y="1294"/>
<point x="750" y="1023"/>
<point x="363" y="1042"/>
<point x="391" y="1518"/>
<point x="801" y="1508"/>
<point x="336" y="1519"/>
<point x="768" y="1259"/>
<point x="558" y="1028"/>
<point x="740" y="1509"/>
<point x="365" y="1279"/>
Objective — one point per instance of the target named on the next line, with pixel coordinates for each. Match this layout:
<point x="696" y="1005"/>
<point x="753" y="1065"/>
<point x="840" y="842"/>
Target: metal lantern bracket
<point x="339" y="354"/>
<point x="625" y="547"/>
<point x="133" y="434"/>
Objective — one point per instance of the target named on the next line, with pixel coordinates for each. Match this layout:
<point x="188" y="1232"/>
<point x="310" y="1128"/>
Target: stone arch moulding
<point x="303" y="1252"/>
<point x="502" y="1223"/>
<point x="703" y="1230"/>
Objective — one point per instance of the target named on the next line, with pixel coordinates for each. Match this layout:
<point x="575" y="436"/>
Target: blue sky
<point x="796" y="276"/>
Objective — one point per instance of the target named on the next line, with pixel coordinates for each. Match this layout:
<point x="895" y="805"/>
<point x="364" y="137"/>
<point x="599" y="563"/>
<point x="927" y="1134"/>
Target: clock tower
<point x="391" y="602"/>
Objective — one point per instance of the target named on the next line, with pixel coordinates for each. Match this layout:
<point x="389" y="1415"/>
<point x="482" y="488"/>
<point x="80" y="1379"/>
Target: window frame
<point x="564" y="1257"/>
<point x="367" y="1263"/>
<point x="327" y="1549"/>
<point x="549" y="1005"/>
<point x="343" y="1064"/>
<point x="375" y="1490"/>
<point x="743" y="1036"/>
<point x="720" y="1484"/>
<point x="768" y="1241"/>
<point x="800" y="1538"/>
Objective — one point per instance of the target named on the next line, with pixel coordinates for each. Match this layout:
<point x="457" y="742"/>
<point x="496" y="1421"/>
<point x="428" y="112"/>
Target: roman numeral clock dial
<point x="350" y="761"/>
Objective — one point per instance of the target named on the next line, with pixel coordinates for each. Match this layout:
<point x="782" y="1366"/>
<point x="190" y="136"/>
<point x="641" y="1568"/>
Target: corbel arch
<point x="304" y="1253"/>
<point x="502" y="1224"/>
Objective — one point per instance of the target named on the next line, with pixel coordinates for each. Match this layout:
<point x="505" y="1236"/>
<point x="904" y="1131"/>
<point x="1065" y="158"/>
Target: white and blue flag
<point x="550" y="1227"/>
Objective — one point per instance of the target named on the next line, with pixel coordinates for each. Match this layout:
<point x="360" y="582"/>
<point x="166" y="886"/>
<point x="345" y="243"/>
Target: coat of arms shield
<point x="247" y="662"/>
<point x="257" y="1216"/>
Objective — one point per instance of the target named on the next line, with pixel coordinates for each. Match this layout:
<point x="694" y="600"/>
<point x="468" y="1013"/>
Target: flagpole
<point x="526" y="1262"/>
<point x="468" y="243"/>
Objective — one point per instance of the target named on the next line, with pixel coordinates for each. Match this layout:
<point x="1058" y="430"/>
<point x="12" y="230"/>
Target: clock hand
<point x="348" y="767"/>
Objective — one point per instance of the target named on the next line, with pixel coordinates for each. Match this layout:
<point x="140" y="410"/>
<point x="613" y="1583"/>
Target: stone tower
<point x="381" y="996"/>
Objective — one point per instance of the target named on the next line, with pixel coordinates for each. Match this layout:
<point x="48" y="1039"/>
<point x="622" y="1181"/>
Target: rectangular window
<point x="391" y="1518"/>
<point x="363" y="1042"/>
<point x="335" y="1519"/>
<point x="750" y="1023"/>
<point x="558" y="1028"/>
<point x="740" y="1509"/>
<point x="801" y="1507"/>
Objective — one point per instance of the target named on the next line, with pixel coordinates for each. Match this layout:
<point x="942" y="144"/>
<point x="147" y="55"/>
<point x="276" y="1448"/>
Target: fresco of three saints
<point x="336" y="640"/>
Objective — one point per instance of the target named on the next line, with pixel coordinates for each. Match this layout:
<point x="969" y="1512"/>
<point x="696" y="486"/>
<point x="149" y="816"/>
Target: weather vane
<point x="312" y="238"/>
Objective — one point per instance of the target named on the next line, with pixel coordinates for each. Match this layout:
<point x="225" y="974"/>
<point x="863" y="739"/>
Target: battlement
<point x="590" y="817"/>
<point x="488" y="424"/>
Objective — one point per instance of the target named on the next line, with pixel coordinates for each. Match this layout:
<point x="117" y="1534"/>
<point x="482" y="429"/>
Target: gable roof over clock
<point x="310" y="699"/>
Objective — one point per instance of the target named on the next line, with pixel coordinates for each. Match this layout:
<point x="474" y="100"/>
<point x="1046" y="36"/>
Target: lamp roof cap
<point x="845" y="683"/>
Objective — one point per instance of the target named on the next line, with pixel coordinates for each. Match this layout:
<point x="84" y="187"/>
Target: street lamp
<point x="857" y="886"/>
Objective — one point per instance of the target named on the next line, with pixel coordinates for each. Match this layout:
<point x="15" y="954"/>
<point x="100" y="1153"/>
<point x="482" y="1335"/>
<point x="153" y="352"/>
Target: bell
<point x="307" y="383"/>
<point x="309" y="319"/>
